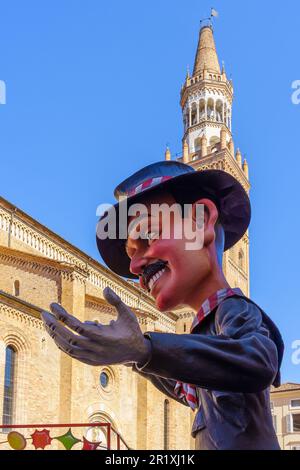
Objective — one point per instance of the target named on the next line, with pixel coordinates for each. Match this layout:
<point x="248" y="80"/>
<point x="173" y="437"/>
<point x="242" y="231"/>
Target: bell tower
<point x="206" y="102"/>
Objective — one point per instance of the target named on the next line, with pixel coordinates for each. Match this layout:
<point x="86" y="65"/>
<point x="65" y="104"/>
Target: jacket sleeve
<point x="241" y="357"/>
<point x="165" y="386"/>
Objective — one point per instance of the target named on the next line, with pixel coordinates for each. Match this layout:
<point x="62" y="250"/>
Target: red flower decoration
<point x="87" y="445"/>
<point x="41" y="439"/>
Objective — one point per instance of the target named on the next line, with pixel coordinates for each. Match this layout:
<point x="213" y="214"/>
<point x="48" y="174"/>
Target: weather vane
<point x="213" y="14"/>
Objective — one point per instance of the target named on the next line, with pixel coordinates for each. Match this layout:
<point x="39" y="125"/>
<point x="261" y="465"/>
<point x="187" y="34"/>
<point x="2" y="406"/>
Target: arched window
<point x="17" y="288"/>
<point x="226" y="114"/>
<point x="228" y="123"/>
<point x="186" y="120"/>
<point x="166" y="424"/>
<point x="210" y="108"/>
<point x="241" y="259"/>
<point x="202" y="110"/>
<point x="184" y="327"/>
<point x="9" y="385"/>
<point x="214" y="143"/>
<point x="219" y="111"/>
<point x="194" y="114"/>
<point x="100" y="433"/>
<point x="197" y="144"/>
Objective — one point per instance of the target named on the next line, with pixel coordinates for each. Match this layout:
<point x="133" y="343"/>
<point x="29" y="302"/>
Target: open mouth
<point x="153" y="272"/>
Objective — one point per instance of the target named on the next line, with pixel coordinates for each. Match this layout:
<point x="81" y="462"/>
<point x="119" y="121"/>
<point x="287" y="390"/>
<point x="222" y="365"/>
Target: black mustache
<point x="152" y="269"/>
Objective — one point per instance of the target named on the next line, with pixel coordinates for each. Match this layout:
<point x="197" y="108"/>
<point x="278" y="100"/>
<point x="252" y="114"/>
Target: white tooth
<point x="151" y="282"/>
<point x="155" y="277"/>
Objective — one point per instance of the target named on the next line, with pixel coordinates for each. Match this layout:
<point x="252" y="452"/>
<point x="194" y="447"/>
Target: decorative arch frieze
<point x="20" y="317"/>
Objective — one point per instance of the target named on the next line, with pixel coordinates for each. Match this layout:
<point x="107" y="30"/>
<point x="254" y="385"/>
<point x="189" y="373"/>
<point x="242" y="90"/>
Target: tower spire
<point x="206" y="101"/>
<point x="206" y="52"/>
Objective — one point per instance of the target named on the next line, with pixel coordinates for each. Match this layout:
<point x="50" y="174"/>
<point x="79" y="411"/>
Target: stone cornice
<point x="205" y="85"/>
<point x="167" y="319"/>
<point x="40" y="264"/>
<point x="21" y="310"/>
<point x="204" y="125"/>
<point x="100" y="305"/>
<point x="18" y="255"/>
<point x="290" y="393"/>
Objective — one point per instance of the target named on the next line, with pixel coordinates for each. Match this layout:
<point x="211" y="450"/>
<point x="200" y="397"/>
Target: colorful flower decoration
<point x="68" y="440"/>
<point x="41" y="439"/>
<point x="16" y="440"/>
<point x="87" y="445"/>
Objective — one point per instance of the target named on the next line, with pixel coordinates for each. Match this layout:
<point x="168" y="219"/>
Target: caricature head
<point x="173" y="274"/>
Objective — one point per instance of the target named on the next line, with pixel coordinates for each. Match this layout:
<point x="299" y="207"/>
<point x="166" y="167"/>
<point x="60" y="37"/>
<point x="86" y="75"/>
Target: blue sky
<point x="93" y="95"/>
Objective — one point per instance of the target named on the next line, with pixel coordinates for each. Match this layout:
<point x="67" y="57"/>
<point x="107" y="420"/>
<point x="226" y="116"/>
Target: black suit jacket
<point x="232" y="358"/>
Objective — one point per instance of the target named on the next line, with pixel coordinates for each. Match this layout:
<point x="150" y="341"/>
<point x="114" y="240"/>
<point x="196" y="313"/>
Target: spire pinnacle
<point x="188" y="72"/>
<point x="206" y="52"/>
<point x="246" y="168"/>
<point x="167" y="153"/>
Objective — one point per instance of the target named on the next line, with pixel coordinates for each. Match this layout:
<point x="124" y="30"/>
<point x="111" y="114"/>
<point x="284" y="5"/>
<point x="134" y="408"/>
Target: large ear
<point x="211" y="216"/>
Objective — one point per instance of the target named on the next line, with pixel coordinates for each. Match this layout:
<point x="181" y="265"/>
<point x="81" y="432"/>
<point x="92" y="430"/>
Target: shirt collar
<point x="212" y="302"/>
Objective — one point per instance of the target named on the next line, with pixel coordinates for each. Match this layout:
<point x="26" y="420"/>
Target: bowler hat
<point x="186" y="185"/>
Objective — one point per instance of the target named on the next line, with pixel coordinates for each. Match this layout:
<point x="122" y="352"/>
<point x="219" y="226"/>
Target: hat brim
<point x="226" y="192"/>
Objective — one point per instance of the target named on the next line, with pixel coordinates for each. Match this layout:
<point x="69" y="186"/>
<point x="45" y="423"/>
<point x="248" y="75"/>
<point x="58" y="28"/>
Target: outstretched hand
<point x="120" y="342"/>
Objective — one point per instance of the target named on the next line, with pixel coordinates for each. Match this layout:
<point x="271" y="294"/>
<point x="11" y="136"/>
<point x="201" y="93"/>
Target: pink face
<point x="178" y="282"/>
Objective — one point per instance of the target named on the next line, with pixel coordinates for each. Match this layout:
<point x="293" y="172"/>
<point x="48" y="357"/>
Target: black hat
<point x="183" y="182"/>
